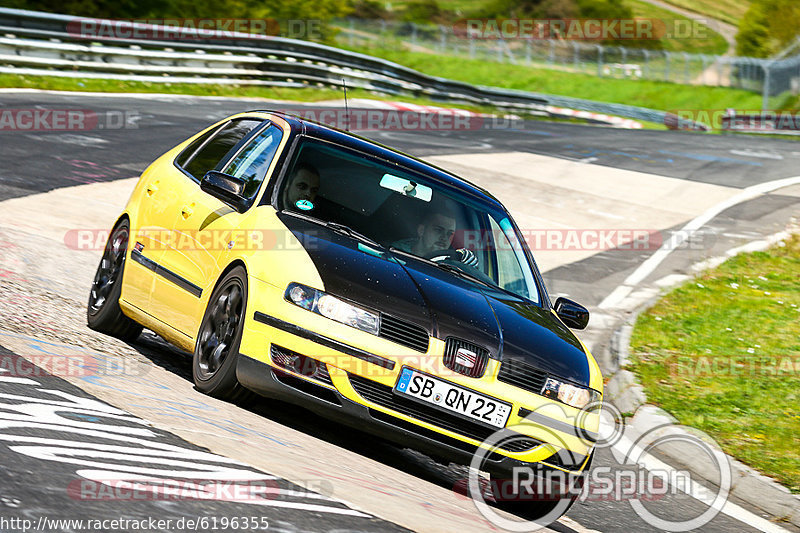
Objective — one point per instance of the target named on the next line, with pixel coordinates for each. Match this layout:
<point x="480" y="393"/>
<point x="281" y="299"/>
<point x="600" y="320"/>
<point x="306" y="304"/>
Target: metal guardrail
<point x="34" y="43"/>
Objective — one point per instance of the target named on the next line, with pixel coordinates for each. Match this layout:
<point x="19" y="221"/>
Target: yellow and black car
<point x="307" y="264"/>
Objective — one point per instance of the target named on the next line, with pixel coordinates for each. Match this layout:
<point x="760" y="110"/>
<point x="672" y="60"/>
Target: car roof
<point x="346" y="138"/>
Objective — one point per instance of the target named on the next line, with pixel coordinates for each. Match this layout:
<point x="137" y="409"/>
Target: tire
<point x="527" y="508"/>
<point x="218" y="340"/>
<point x="103" y="313"/>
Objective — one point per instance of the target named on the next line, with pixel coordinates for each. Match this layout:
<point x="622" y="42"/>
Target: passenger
<point x="435" y="234"/>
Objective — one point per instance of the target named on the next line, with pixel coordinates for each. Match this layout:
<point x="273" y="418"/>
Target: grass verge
<point x="713" y="43"/>
<point x="722" y="354"/>
<point x="311" y="94"/>
<point x="653" y="94"/>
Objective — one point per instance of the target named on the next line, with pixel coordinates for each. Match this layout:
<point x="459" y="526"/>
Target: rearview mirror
<point x="573" y="314"/>
<point x="226" y="188"/>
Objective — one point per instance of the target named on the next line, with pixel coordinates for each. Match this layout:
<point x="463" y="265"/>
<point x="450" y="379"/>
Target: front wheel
<point x="217" y="346"/>
<point x="103" y="313"/>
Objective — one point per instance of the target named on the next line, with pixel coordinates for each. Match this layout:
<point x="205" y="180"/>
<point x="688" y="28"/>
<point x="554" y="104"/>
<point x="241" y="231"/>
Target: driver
<point x="435" y="233"/>
<point x="302" y="185"/>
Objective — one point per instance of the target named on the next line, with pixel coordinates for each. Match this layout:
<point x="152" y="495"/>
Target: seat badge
<point x="466" y="358"/>
<point x="138" y="247"/>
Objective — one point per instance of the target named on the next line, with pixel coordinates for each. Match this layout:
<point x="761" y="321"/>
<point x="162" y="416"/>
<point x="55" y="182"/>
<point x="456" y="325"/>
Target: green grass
<point x="713" y="43"/>
<point x="652" y="94"/>
<point x="311" y="94"/>
<point x="722" y="353"/>
<point x="730" y="11"/>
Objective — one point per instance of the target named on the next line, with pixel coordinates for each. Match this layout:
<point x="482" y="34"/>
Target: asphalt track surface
<point x="37" y="162"/>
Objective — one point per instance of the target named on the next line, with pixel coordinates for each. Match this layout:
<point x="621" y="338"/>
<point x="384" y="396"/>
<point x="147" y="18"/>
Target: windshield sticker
<point x="304" y="205"/>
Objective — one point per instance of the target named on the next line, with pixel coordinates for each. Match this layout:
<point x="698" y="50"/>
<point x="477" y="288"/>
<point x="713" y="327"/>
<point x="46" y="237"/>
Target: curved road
<point x="558" y="180"/>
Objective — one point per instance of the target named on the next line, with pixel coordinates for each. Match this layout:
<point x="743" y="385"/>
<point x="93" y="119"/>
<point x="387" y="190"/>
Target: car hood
<point x="441" y="302"/>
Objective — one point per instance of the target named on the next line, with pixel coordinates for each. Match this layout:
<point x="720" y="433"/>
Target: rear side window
<point x="216" y="149"/>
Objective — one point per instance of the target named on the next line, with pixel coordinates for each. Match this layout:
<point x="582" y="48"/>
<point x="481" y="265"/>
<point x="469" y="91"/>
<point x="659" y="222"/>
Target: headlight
<point x="578" y="397"/>
<point x="332" y="307"/>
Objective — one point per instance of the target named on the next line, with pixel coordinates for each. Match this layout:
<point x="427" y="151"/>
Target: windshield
<point x="409" y="213"/>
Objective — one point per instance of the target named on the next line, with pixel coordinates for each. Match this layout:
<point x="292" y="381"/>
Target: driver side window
<point x="252" y="163"/>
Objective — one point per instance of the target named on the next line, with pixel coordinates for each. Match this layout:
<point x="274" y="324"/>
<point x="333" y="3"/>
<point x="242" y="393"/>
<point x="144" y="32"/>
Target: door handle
<point x="152" y="188"/>
<point x="186" y="211"/>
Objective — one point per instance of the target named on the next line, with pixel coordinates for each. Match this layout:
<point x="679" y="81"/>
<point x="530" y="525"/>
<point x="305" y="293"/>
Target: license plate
<point x="453" y="398"/>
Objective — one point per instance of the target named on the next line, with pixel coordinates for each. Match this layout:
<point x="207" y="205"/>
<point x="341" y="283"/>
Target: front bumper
<point x="330" y="403"/>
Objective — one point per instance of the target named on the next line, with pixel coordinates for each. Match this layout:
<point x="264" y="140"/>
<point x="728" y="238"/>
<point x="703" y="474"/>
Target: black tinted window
<point x="252" y="162"/>
<point x="195" y="145"/>
<point x="219" y="148"/>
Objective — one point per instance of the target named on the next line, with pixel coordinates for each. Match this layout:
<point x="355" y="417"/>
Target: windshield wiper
<point x="350" y="232"/>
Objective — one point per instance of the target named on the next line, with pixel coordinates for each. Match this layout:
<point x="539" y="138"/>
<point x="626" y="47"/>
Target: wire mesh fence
<point x="769" y="77"/>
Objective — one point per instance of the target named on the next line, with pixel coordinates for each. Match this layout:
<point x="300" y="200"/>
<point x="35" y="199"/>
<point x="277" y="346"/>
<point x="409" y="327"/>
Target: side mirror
<point x="573" y="314"/>
<point x="226" y="188"/>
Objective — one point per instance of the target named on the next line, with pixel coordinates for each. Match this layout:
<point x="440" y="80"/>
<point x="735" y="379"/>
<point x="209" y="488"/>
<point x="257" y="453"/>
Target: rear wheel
<point x="217" y="346"/>
<point x="103" y="313"/>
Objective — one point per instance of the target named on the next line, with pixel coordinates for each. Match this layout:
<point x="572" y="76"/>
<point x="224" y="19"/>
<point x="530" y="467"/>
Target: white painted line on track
<point x="651" y="263"/>
<point x="696" y="490"/>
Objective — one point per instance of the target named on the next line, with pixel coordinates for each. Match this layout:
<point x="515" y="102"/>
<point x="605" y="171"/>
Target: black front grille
<point x="382" y="395"/>
<point x="521" y="374"/>
<point x="479" y="357"/>
<point x="405" y="333"/>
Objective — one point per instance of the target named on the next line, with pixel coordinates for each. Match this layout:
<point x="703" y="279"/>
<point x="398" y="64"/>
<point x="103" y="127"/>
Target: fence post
<point x="646" y="69"/>
<point x="599" y="60"/>
<point x="552" y="55"/>
<point x="528" y="51"/>
<point x="351" y="35"/>
<point x="471" y="46"/>
<point x="500" y="50"/>
<point x="667" y="59"/>
<point x="765" y="98"/>
<point x="575" y="56"/>
<point x="413" y="35"/>
<point x="685" y="67"/>
<point x="442" y="39"/>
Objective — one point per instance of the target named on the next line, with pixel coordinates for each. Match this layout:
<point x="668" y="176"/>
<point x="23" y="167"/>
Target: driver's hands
<point x="467" y="257"/>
